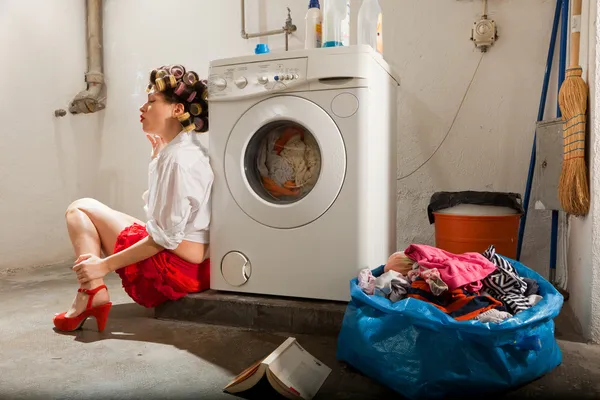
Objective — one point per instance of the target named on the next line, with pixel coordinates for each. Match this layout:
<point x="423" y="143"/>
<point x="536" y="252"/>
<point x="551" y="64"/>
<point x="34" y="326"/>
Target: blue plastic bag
<point x="420" y="352"/>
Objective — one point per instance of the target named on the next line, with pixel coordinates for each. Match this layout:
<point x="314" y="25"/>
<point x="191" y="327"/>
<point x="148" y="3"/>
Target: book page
<point x="247" y="378"/>
<point x="300" y="371"/>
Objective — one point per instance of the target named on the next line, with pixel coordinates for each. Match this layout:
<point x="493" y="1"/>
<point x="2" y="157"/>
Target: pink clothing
<point x="456" y="270"/>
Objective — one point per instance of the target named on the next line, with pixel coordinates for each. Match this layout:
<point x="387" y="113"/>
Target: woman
<point x="166" y="258"/>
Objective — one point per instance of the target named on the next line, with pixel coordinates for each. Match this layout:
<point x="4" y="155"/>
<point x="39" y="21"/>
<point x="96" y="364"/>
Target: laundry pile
<point x="468" y="286"/>
<point x="289" y="162"/>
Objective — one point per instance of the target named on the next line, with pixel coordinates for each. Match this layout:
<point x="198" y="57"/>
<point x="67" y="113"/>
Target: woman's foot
<point x="81" y="299"/>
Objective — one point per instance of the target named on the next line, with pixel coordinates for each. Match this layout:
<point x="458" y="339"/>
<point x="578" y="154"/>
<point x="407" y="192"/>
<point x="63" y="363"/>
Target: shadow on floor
<point x="232" y="349"/>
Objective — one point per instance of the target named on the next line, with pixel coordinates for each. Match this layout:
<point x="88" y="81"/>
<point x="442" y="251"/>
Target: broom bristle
<point x="573" y="189"/>
<point x="572" y="97"/>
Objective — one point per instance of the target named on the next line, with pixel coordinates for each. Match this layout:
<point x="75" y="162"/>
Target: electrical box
<point x="483" y="33"/>
<point x="548" y="165"/>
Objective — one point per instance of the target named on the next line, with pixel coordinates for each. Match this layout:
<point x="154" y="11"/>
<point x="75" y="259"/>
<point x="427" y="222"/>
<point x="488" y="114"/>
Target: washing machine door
<point x="285" y="162"/>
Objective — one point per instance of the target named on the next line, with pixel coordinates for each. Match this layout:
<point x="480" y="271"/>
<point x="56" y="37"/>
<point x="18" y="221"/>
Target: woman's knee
<point x="83" y="204"/>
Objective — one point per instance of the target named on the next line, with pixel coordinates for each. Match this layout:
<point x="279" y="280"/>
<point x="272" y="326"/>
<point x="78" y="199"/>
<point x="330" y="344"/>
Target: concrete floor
<point x="142" y="357"/>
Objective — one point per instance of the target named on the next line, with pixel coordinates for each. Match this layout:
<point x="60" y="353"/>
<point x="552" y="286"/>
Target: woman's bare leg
<point x="93" y="228"/>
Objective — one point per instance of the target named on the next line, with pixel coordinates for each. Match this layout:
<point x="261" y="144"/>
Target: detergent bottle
<point x="314" y="21"/>
<point x="336" y="23"/>
<point x="370" y="25"/>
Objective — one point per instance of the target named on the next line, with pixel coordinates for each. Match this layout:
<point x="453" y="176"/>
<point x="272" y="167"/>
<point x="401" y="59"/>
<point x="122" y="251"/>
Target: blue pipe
<point x="561" y="77"/>
<point x="540" y="117"/>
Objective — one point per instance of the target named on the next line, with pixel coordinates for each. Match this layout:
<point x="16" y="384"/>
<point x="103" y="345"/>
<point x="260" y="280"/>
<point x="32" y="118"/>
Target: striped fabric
<point x="505" y="284"/>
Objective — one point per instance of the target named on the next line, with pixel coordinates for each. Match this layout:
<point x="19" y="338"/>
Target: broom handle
<point x="575" y="33"/>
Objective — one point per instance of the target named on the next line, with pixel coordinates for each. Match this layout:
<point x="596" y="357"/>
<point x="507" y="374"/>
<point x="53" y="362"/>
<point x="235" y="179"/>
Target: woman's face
<point x="157" y="114"/>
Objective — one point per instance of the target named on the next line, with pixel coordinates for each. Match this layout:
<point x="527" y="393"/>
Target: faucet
<point x="288" y="28"/>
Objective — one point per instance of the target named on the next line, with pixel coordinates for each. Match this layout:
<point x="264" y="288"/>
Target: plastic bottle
<point x="380" y="34"/>
<point x="314" y="23"/>
<point x="370" y="24"/>
<point x="335" y="13"/>
<point x="346" y="27"/>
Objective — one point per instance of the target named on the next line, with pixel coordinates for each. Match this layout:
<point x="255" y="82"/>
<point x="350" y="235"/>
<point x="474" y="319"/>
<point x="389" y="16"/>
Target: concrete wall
<point x="45" y="162"/>
<point x="489" y="146"/>
<point x="584" y="240"/>
<point x="106" y="155"/>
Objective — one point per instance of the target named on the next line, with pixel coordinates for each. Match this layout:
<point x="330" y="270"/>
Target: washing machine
<point x="303" y="147"/>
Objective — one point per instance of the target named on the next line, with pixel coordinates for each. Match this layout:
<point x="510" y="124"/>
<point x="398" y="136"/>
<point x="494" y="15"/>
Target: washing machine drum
<point x="285" y="162"/>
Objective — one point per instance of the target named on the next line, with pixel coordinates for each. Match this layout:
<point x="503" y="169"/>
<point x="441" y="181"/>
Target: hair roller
<point x="199" y="86"/>
<point x="184" y="116"/>
<point x="201" y="124"/>
<point x="190" y="78"/>
<point x="148" y="88"/>
<point x="161" y="73"/>
<point x="180" y="89"/>
<point x="186" y="121"/>
<point x="205" y="94"/>
<point x="189" y="126"/>
<point x="196" y="109"/>
<point x="153" y="75"/>
<point x="160" y="84"/>
<point x="191" y="97"/>
<point x="172" y="81"/>
<point x="177" y="71"/>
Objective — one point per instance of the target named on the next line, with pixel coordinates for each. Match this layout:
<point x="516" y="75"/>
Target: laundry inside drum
<point x="282" y="162"/>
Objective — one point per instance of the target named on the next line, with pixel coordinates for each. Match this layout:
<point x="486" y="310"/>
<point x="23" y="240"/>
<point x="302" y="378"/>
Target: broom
<point x="573" y="189"/>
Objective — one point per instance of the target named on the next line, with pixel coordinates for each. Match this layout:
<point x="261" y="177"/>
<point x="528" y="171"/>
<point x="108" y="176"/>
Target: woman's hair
<point x="180" y="86"/>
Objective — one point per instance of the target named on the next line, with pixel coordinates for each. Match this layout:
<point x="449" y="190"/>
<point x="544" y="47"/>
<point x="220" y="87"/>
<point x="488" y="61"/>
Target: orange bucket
<point x="475" y="233"/>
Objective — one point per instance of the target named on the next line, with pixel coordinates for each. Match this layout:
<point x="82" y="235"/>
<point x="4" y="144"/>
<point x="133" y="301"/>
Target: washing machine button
<point x="236" y="268"/>
<point x="241" y="82"/>
<point x="220" y="84"/>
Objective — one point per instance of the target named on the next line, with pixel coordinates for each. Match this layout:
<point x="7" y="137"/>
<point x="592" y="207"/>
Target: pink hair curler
<point x="180" y="89"/>
<point x="199" y="122"/>
<point x="177" y="71"/>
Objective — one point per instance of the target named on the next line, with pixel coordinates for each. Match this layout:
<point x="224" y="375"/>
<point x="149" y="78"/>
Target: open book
<point x="290" y="370"/>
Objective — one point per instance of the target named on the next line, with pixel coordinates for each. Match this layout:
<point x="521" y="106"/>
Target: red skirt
<point x="164" y="276"/>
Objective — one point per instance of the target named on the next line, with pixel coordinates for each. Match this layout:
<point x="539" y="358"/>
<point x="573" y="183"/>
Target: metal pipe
<point x="88" y="100"/>
<point x="287" y="29"/>
<point x="561" y="77"/>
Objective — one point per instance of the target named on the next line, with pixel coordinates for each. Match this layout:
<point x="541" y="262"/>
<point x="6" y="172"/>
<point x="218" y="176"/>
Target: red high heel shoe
<point x="65" y="324"/>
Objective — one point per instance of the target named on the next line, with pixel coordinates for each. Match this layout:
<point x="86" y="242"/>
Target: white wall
<point x="106" y="155"/>
<point x="584" y="243"/>
<point x="490" y="144"/>
<point x="137" y="39"/>
<point x="45" y="162"/>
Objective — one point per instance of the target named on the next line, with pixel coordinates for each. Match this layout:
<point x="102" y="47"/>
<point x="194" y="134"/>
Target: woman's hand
<point x="89" y="267"/>
<point x="157" y="144"/>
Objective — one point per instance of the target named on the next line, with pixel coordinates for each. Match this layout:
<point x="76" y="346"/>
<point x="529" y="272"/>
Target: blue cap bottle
<point x="314" y="4"/>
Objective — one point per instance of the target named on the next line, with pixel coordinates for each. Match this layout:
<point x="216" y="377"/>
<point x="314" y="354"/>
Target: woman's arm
<point x="140" y="251"/>
<point x="89" y="267"/>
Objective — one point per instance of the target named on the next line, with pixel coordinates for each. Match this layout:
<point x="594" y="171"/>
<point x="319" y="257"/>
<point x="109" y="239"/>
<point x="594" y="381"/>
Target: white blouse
<point x="178" y="201"/>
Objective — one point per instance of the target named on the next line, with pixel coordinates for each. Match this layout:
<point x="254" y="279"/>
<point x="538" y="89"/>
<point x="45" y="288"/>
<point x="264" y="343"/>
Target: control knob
<point x="241" y="82"/>
<point x="220" y="83"/>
